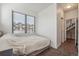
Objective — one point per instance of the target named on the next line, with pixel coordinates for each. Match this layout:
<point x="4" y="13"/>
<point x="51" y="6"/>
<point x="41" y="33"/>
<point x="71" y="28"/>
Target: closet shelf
<point x="70" y="27"/>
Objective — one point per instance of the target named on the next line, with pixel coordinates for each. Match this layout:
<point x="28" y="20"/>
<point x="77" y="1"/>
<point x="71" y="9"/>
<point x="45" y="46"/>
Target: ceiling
<point x="36" y="7"/>
<point x="65" y="5"/>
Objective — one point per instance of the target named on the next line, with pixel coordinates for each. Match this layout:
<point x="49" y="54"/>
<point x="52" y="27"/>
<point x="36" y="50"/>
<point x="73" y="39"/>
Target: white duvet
<point x="23" y="45"/>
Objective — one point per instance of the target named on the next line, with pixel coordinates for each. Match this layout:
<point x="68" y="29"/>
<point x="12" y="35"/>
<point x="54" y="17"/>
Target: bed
<point x="24" y="45"/>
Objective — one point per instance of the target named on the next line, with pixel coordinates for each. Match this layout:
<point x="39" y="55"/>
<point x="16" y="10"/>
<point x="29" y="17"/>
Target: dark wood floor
<point x="67" y="48"/>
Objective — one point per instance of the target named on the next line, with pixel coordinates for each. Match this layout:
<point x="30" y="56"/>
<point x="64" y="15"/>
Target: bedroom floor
<point x="66" y="49"/>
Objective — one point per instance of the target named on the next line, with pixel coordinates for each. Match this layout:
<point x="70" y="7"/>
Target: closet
<point x="72" y="29"/>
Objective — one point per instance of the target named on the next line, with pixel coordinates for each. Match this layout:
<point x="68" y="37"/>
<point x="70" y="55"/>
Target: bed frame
<point x="35" y="53"/>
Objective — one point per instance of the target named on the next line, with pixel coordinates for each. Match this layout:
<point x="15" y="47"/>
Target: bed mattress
<point x="24" y="45"/>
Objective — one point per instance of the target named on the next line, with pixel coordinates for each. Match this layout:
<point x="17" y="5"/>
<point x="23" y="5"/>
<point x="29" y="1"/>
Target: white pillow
<point x="19" y="34"/>
<point x="24" y="34"/>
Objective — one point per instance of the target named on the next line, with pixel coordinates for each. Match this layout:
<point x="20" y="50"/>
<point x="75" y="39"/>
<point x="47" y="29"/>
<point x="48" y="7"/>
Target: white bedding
<point x="3" y="43"/>
<point x="24" y="45"/>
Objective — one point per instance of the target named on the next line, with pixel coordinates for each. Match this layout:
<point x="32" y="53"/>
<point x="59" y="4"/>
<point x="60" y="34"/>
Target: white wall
<point x="71" y="14"/>
<point x="47" y="24"/>
<point x="0" y="16"/>
<point x="6" y="15"/>
<point x="60" y="26"/>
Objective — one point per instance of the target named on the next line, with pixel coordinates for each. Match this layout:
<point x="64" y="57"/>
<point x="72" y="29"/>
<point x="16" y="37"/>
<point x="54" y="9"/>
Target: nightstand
<point x="8" y="52"/>
<point x="1" y="33"/>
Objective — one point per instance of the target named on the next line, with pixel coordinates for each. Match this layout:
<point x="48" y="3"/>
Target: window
<point x="22" y="23"/>
<point x="30" y="24"/>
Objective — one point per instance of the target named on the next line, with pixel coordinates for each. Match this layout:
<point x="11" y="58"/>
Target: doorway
<point x="68" y="17"/>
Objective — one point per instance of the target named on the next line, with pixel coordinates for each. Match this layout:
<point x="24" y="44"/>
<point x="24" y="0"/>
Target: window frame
<point x="25" y="21"/>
